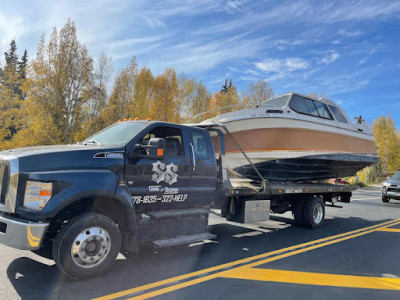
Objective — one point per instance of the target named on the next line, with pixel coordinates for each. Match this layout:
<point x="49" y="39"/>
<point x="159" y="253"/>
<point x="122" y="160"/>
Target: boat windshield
<point x="277" y="102"/>
<point x="118" y="134"/>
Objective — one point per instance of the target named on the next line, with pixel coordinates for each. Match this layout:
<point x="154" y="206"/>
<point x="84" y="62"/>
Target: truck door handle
<point x="193" y="156"/>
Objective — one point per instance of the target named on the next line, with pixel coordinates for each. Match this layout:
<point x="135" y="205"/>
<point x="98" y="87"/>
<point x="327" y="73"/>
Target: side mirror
<point x="154" y="150"/>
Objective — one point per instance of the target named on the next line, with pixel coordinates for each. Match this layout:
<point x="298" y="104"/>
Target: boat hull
<point x="297" y="152"/>
<point x="304" y="168"/>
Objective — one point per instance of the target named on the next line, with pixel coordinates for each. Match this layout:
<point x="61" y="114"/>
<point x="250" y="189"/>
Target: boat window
<point x="277" y="102"/>
<point x="309" y="107"/>
<point x="338" y="114"/>
<point x="322" y="110"/>
<point x="303" y="106"/>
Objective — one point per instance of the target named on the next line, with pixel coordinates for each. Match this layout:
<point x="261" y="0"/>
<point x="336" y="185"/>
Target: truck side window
<point x="173" y="139"/>
<point x="199" y="145"/>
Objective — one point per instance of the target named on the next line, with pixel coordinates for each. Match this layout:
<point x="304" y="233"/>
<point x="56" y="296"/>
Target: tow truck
<point x="137" y="183"/>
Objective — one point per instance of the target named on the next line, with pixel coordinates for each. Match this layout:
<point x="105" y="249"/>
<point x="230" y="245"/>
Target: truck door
<point x="204" y="169"/>
<point x="160" y="184"/>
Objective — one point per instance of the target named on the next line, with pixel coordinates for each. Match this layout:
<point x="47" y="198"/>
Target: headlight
<point x="37" y="194"/>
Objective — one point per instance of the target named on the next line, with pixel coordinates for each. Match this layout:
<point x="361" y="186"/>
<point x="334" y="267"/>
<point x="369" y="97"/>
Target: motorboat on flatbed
<point x="294" y="137"/>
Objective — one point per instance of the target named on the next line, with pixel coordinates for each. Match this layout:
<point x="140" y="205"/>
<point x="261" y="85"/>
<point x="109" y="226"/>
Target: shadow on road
<point x="34" y="280"/>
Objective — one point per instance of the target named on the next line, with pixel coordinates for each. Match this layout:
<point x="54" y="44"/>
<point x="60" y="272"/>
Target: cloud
<point x="329" y="58"/>
<point x="281" y="68"/>
<point x="282" y="65"/>
<point x="349" y="33"/>
<point x="234" y="6"/>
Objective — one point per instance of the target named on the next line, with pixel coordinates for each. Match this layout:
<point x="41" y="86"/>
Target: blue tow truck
<point x="136" y="183"/>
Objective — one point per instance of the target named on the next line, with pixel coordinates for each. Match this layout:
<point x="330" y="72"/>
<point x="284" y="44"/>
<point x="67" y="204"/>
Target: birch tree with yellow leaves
<point x="58" y="89"/>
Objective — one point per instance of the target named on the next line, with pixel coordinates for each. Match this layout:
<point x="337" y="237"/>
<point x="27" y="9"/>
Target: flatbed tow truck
<point x="137" y="183"/>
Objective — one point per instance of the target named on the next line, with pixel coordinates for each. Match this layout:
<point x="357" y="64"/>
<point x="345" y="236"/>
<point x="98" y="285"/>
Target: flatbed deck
<point x="248" y="187"/>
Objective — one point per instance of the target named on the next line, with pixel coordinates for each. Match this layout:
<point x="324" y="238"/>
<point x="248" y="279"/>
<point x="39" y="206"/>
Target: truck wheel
<point x="385" y="198"/>
<point x="87" y="246"/>
<point x="297" y="211"/>
<point x="314" y="212"/>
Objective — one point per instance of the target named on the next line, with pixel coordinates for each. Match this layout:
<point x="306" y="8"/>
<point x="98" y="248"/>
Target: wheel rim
<point x="318" y="213"/>
<point x="91" y="247"/>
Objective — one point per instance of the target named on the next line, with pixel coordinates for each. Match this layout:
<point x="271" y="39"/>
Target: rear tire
<point x="314" y="212"/>
<point x="87" y="245"/>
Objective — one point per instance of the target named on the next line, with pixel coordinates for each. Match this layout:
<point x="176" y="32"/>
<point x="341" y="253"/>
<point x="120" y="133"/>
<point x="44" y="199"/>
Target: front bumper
<point x="21" y="234"/>
<point x="393" y="195"/>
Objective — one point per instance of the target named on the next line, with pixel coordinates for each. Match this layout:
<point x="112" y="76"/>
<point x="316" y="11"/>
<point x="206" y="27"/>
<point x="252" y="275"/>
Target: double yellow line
<point x="182" y="281"/>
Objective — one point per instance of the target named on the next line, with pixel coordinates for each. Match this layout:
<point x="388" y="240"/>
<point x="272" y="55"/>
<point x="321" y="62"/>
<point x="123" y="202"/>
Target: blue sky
<point x="347" y="50"/>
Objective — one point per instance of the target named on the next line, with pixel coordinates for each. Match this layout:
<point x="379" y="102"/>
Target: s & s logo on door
<point x="163" y="172"/>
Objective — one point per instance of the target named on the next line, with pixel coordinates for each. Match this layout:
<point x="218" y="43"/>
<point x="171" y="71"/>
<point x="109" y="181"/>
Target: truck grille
<point x="3" y="183"/>
<point x="394" y="188"/>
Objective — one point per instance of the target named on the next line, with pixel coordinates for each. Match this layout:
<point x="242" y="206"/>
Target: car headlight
<point x="37" y="194"/>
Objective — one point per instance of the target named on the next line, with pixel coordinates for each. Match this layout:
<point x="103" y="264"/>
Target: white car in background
<point x="391" y="188"/>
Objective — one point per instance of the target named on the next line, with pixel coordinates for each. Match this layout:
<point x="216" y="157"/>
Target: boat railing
<point x="196" y="118"/>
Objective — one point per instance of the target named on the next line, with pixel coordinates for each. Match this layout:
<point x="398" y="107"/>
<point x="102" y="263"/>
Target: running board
<point x="183" y="239"/>
<point x="174" y="213"/>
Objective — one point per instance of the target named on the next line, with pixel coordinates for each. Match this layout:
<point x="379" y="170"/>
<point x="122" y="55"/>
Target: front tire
<point x="87" y="245"/>
<point x="385" y="199"/>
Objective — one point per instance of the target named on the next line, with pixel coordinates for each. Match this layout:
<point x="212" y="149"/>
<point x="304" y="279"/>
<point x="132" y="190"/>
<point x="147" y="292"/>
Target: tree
<point x="164" y="105"/>
<point x="11" y="95"/>
<point x="387" y="139"/>
<point x="259" y="92"/>
<point x="142" y="94"/>
<point x="194" y="98"/>
<point x="103" y="70"/>
<point x="59" y="87"/>
<point x="224" y="102"/>
<point x="120" y="102"/>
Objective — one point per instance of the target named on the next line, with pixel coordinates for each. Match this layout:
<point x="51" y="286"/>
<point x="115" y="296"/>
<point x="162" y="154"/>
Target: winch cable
<point x="264" y="182"/>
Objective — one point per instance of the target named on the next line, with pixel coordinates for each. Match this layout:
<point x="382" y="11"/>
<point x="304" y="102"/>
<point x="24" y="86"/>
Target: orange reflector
<point x="119" y="121"/>
<point x="137" y="119"/>
<point x="160" y="152"/>
<point x="149" y="119"/>
<point x="126" y="120"/>
<point x="44" y="193"/>
<point x="131" y="119"/>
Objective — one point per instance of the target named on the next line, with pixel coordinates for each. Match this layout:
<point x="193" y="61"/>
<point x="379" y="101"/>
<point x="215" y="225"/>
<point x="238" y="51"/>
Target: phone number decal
<point x="163" y="198"/>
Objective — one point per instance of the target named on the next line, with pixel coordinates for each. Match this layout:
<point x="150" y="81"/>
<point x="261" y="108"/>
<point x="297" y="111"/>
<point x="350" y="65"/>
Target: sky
<point x="348" y="50"/>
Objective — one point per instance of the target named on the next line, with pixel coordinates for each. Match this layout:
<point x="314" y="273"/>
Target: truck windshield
<point x="118" y="134"/>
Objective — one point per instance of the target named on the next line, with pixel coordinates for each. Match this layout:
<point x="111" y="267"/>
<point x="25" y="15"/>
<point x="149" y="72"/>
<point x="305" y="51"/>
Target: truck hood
<point x="392" y="182"/>
<point x="64" y="157"/>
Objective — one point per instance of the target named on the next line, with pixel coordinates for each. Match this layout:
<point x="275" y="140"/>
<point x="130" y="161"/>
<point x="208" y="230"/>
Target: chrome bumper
<point x="21" y="234"/>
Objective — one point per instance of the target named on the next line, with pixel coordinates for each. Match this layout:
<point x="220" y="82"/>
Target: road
<point x="353" y="256"/>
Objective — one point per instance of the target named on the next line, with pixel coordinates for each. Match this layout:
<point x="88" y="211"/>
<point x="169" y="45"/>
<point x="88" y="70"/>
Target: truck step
<point x="174" y="213"/>
<point x="183" y="239"/>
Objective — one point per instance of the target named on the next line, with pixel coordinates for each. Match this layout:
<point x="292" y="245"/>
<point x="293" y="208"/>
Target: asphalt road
<point x="354" y="256"/>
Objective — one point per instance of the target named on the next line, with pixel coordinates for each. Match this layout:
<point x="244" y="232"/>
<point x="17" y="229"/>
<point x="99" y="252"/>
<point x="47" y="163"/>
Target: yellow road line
<point x="243" y="268"/>
<point x="332" y="239"/>
<point x="363" y="282"/>
<point x="390" y="230"/>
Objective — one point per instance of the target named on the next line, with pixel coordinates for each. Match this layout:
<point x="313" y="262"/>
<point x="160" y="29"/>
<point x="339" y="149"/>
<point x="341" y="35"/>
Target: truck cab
<point x="133" y="183"/>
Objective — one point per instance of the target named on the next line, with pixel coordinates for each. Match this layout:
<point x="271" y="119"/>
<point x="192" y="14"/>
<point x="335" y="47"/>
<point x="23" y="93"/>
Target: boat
<point x="293" y="137"/>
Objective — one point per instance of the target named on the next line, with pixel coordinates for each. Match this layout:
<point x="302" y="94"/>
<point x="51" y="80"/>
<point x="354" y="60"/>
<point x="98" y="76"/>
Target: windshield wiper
<point x="93" y="142"/>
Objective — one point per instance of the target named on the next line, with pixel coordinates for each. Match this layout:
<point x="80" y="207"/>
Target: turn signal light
<point x="149" y="119"/>
<point x="137" y="119"/>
